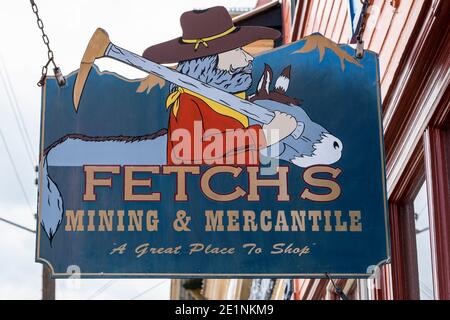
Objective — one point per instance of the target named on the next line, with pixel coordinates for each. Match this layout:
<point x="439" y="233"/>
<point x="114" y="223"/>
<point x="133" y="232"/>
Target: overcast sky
<point x="133" y="24"/>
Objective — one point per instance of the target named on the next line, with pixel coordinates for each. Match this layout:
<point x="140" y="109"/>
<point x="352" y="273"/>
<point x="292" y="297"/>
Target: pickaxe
<point x="100" y="46"/>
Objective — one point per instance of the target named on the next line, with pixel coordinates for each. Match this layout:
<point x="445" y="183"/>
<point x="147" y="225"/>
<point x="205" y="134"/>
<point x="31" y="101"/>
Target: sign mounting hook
<point x="57" y="71"/>
<point x="362" y="27"/>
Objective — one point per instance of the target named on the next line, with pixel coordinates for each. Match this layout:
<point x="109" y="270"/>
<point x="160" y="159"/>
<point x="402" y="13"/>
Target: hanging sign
<point x="225" y="165"/>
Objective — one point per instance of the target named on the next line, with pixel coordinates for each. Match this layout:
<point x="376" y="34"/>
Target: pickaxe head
<point x="96" y="48"/>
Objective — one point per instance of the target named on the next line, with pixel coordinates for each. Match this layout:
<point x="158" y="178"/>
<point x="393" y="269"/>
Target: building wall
<point x="411" y="38"/>
<point x="388" y="28"/>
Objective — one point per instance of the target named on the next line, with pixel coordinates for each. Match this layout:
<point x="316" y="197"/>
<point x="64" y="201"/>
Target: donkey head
<point x="281" y="86"/>
<point x="316" y="145"/>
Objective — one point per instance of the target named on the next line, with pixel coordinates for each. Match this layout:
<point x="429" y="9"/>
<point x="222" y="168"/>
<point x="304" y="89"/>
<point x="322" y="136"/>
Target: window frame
<point x="419" y="98"/>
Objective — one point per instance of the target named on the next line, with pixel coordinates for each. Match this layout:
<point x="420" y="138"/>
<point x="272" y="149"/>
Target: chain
<point x="363" y="19"/>
<point x="51" y="59"/>
<point x="337" y="290"/>
<point x="362" y="28"/>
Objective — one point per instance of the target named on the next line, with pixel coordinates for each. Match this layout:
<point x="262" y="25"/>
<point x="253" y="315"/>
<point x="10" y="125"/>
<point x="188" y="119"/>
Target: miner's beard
<point x="205" y="69"/>
<point x="233" y="81"/>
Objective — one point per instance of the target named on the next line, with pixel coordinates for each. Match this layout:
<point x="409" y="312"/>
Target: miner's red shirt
<point x="201" y="151"/>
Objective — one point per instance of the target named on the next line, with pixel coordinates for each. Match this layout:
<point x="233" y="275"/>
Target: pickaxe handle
<point x="100" y="46"/>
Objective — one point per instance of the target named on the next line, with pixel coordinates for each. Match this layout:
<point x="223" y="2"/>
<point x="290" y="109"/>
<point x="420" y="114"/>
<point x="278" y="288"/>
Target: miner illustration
<point x="211" y="50"/>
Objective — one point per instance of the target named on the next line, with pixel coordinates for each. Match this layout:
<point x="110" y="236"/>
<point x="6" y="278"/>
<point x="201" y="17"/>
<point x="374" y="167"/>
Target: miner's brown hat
<point x="207" y="32"/>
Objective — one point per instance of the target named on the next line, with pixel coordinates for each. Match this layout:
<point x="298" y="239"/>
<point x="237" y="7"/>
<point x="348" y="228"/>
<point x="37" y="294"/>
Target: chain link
<point x="50" y="55"/>
<point x="362" y="28"/>
<point x="365" y="4"/>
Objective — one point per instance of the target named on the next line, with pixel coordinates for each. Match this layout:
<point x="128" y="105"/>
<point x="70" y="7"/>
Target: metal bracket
<point x="359" y="48"/>
<point x="360" y="30"/>
<point x="59" y="76"/>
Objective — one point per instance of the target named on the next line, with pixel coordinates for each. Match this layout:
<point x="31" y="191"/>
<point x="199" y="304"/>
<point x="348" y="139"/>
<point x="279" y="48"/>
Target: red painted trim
<point x="402" y="254"/>
<point x="419" y="71"/>
<point x="439" y="207"/>
<point x="412" y="177"/>
<point x="301" y="13"/>
<point x="382" y="292"/>
<point x="386" y="289"/>
<point x="286" y="21"/>
<point x="320" y="290"/>
<point x="297" y="288"/>
<point x="308" y="288"/>
<point x="422" y="79"/>
<point x="397" y="270"/>
<point x="423" y="74"/>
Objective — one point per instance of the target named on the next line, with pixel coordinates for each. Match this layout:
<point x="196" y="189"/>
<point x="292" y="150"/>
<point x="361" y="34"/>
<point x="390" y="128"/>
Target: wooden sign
<point x="226" y="166"/>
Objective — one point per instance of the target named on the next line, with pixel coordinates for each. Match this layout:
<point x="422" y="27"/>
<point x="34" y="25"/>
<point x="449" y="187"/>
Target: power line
<point x="16" y="172"/>
<point x="17" y="113"/>
<point x="101" y="289"/>
<point x="16" y="116"/>
<point x="149" y="289"/>
<point x="16" y="225"/>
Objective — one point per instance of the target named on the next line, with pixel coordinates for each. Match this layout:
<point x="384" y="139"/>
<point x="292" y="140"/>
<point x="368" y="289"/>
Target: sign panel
<point x="144" y="178"/>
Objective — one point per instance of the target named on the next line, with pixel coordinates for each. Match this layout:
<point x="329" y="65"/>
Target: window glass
<point x="423" y="244"/>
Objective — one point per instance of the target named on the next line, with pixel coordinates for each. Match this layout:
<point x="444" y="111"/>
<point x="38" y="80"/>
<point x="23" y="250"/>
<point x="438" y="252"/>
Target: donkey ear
<point x="283" y="80"/>
<point x="264" y="82"/>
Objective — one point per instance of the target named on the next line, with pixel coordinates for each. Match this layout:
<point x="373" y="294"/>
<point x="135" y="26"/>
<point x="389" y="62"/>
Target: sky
<point x="132" y="24"/>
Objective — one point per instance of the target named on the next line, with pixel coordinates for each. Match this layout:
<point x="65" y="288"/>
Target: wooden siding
<point x="413" y="41"/>
<point x="387" y="32"/>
